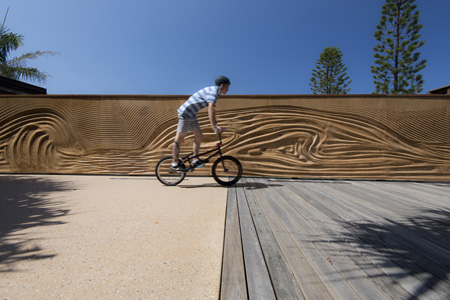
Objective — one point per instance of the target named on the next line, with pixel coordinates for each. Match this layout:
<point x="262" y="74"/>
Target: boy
<point x="187" y="119"/>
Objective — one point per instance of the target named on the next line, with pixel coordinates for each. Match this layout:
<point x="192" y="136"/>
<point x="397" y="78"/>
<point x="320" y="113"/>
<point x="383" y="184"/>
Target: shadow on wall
<point x="24" y="204"/>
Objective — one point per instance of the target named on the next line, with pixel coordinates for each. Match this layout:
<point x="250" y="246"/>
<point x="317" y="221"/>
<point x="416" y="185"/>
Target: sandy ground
<point x="110" y="237"/>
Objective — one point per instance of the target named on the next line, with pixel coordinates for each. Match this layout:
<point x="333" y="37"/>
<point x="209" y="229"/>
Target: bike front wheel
<point x="165" y="175"/>
<point x="226" y="170"/>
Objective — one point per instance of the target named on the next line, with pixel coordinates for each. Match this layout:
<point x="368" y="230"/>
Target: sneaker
<point x="177" y="168"/>
<point x="198" y="164"/>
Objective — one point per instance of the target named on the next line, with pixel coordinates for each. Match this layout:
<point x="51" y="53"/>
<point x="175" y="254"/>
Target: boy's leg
<point x="197" y="163"/>
<point x="179" y="138"/>
<point x="197" y="141"/>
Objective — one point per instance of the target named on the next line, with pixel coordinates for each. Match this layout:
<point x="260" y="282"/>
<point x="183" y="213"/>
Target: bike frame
<point x="170" y="176"/>
<point x="189" y="158"/>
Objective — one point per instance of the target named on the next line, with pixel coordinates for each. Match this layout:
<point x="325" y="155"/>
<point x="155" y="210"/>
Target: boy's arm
<point x="212" y="117"/>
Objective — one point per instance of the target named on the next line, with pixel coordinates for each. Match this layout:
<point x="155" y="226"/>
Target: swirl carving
<point x="298" y="142"/>
<point x="353" y="137"/>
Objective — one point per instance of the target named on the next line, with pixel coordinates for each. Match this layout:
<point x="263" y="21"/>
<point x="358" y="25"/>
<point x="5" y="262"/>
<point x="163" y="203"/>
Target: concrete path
<point x="110" y="237"/>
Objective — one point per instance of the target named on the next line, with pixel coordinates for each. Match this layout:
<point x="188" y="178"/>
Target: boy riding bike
<point x="187" y="119"/>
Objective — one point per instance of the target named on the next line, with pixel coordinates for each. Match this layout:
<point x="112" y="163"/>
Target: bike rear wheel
<point x="167" y="176"/>
<point x="226" y="170"/>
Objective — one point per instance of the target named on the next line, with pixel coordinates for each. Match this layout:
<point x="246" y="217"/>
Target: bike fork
<point x="223" y="164"/>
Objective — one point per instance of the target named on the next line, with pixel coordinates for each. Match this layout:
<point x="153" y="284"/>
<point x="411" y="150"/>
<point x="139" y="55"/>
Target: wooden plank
<point x="441" y="190"/>
<point x="282" y="278"/>
<point x="325" y="236"/>
<point x="375" y="232"/>
<point x="321" y="201"/>
<point x="362" y="255"/>
<point x="233" y="283"/>
<point x="342" y="277"/>
<point x="356" y="240"/>
<point x="416" y="238"/>
<point x="409" y="235"/>
<point x="358" y="196"/>
<point x="258" y="280"/>
<point x="281" y="223"/>
<point x="387" y="275"/>
<point x="306" y="233"/>
<point x="408" y="193"/>
<point x="413" y="244"/>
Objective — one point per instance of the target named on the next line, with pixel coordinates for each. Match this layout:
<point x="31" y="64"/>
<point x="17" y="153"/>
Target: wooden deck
<point x="296" y="239"/>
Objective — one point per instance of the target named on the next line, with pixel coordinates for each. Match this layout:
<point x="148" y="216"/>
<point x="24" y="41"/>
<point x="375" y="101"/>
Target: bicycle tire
<point x="231" y="175"/>
<point x="165" y="176"/>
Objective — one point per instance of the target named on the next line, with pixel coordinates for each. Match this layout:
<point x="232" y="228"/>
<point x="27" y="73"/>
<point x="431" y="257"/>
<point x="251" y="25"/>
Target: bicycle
<point x="226" y="170"/>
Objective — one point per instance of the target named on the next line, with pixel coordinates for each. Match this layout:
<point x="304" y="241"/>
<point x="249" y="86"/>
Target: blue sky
<point x="175" y="47"/>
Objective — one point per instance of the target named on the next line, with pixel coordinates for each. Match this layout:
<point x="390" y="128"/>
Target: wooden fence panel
<point x="307" y="136"/>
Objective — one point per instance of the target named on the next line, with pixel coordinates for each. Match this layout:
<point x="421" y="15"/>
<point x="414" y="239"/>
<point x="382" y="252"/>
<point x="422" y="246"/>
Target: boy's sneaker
<point x="177" y="168"/>
<point x="198" y="164"/>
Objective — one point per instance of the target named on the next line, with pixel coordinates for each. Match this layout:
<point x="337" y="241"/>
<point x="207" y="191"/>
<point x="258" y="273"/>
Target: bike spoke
<point x="227" y="170"/>
<point x="166" y="175"/>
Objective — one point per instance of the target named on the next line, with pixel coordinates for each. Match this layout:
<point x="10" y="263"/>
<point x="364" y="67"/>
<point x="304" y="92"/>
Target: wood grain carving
<point x="355" y="136"/>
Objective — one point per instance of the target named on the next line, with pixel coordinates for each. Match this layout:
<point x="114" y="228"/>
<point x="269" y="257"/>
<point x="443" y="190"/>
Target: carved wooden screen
<point x="351" y="136"/>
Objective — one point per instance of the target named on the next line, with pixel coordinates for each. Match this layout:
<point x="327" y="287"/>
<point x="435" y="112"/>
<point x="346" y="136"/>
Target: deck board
<point x="283" y="281"/>
<point x="301" y="239"/>
<point x="258" y="279"/>
<point x="233" y="273"/>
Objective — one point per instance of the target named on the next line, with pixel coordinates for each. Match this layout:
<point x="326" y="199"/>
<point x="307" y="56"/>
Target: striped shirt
<point x="199" y="100"/>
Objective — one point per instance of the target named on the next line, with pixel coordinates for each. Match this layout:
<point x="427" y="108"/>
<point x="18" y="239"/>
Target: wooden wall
<point x="304" y="136"/>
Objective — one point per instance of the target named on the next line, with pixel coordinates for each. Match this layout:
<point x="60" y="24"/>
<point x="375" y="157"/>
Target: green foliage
<point x="16" y="68"/>
<point x="330" y="75"/>
<point x="396" y="56"/>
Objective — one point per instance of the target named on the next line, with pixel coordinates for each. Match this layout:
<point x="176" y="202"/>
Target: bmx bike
<point x="226" y="169"/>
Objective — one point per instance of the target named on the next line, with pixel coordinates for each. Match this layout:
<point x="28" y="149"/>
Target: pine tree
<point x="396" y="57"/>
<point x="330" y="75"/>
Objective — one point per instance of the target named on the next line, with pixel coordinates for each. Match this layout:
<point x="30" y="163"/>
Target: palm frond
<point x="9" y="42"/>
<point x="32" y="74"/>
<point x="23" y="73"/>
<point x="7" y="71"/>
<point x="16" y="68"/>
<point x="32" y="55"/>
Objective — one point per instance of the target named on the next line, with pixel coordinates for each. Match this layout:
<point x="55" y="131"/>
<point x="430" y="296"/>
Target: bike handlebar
<point x="219" y="133"/>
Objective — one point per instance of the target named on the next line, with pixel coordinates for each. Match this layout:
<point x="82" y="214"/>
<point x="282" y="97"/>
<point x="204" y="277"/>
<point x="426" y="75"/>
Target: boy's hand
<point x="219" y="129"/>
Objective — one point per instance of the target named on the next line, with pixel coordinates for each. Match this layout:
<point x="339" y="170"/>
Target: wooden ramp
<point x="294" y="239"/>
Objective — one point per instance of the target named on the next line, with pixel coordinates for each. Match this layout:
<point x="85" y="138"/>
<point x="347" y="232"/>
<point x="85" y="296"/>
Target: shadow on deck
<point x="293" y="239"/>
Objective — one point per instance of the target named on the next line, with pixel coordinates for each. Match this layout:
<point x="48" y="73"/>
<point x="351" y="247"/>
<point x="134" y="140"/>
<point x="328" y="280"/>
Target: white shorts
<point x="185" y="124"/>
